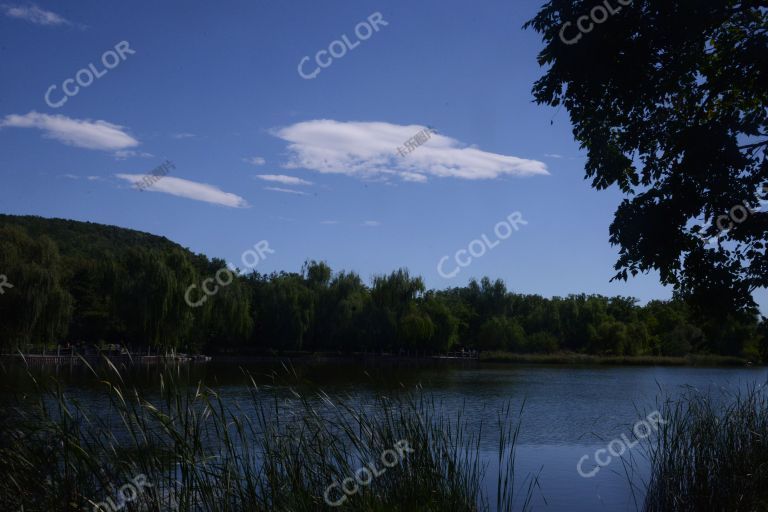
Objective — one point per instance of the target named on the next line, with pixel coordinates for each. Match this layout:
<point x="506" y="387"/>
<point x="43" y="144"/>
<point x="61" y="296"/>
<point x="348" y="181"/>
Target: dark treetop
<point x="670" y="100"/>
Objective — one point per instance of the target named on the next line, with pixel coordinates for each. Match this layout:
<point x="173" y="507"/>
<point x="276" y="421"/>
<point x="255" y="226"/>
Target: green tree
<point x="37" y="309"/>
<point x="285" y="311"/>
<point x="610" y="337"/>
<point x="446" y="325"/>
<point x="541" y="342"/>
<point x="501" y="333"/>
<point x="77" y="281"/>
<point x="763" y="340"/>
<point x="391" y="299"/>
<point x="416" y="330"/>
<point x="669" y="98"/>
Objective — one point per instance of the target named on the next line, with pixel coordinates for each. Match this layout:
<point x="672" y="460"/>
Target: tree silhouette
<point x="669" y="98"/>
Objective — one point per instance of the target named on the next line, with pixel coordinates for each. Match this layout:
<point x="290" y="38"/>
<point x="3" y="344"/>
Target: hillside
<point x="73" y="236"/>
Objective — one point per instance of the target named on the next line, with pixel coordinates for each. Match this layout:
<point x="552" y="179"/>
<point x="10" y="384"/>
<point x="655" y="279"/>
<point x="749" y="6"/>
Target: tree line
<point x="84" y="283"/>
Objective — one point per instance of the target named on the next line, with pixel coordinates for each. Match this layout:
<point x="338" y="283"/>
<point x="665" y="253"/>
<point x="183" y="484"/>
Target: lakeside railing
<point x="73" y="358"/>
<point x="467" y="354"/>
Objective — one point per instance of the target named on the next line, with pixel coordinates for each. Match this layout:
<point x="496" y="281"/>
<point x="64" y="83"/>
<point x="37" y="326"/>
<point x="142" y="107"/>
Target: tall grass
<point x="204" y="452"/>
<point x="711" y="455"/>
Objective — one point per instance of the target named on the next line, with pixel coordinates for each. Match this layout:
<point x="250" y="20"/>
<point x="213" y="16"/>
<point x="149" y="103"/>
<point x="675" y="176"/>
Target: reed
<point x="279" y="450"/>
<point x="712" y="454"/>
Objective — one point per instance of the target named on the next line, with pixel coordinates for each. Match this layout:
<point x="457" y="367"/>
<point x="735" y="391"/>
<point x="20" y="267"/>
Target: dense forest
<point x="84" y="283"/>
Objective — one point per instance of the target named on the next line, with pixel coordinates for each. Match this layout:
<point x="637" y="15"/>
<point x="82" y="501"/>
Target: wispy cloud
<point x="33" y="14"/>
<point x="286" y="191"/>
<point x="413" y="176"/>
<point x="564" y="157"/>
<point x="190" y="190"/>
<point x="82" y="133"/>
<point x="282" y="178"/>
<point x="369" y="150"/>
<point x="183" y="135"/>
<point x="123" y="154"/>
<point x="372" y="223"/>
<point x="254" y="160"/>
<point x="329" y="222"/>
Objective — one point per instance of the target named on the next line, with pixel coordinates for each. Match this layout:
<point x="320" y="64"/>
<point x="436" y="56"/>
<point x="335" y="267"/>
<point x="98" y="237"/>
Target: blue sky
<point x="311" y="165"/>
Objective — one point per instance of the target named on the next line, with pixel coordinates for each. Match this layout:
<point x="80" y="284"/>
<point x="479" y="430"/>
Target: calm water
<point x="569" y="412"/>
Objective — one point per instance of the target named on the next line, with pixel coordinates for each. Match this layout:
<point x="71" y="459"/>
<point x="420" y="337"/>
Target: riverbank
<point x="560" y="358"/>
<point x="75" y="359"/>
<point x="569" y="358"/>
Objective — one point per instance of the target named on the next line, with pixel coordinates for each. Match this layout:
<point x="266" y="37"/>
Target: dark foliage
<point x="669" y="98"/>
<point x="86" y="283"/>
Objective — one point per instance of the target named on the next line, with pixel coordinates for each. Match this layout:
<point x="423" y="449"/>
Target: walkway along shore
<point x="78" y="359"/>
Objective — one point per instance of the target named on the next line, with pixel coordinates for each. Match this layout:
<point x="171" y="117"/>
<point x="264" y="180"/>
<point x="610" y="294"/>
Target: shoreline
<point x="574" y="359"/>
<point x="509" y="358"/>
<point x="564" y="359"/>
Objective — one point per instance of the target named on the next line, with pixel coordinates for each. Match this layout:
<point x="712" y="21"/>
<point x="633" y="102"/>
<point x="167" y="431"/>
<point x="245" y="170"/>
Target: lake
<point x="568" y="413"/>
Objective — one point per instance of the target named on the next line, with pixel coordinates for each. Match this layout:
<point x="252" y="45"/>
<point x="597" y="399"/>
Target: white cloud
<point x="282" y="178"/>
<point x="372" y="223"/>
<point x="286" y="191"/>
<point x="183" y="135"/>
<point x="123" y="154"/>
<point x="94" y="178"/>
<point x="71" y="176"/>
<point x="553" y="155"/>
<point x="33" y="14"/>
<point x="329" y="222"/>
<point x="413" y="176"/>
<point x="369" y="150"/>
<point x="82" y="133"/>
<point x="254" y="160"/>
<point x="189" y="189"/>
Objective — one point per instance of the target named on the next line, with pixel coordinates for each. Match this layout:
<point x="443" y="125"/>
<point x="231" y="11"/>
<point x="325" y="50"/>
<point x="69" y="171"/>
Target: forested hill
<point x="85" y="282"/>
<point x="79" y="282"/>
<point x="75" y="237"/>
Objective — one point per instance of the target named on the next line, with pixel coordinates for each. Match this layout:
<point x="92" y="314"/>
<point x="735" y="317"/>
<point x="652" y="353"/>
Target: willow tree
<point x="224" y="320"/>
<point x="150" y="299"/>
<point x="392" y="298"/>
<point x="669" y="98"/>
<point x="35" y="308"/>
